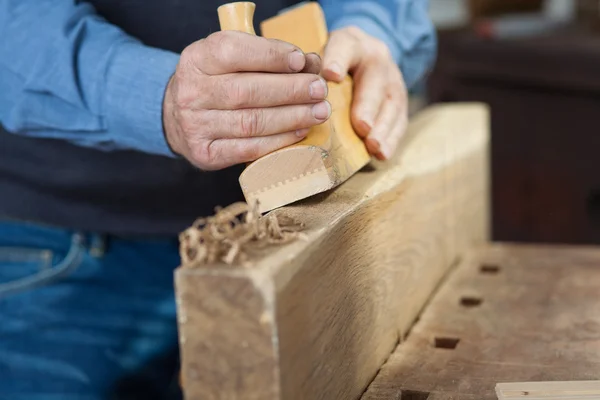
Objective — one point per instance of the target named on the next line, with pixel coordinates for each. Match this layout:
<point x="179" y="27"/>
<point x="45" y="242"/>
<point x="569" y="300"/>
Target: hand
<point x="235" y="97"/>
<point x="380" y="103"/>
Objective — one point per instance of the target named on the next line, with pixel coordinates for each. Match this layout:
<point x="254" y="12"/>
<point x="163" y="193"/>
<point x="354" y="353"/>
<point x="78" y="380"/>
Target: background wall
<point x="451" y="13"/>
<point x="541" y="81"/>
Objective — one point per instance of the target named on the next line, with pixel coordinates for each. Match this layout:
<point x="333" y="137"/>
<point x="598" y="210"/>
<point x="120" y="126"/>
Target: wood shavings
<point x="234" y="234"/>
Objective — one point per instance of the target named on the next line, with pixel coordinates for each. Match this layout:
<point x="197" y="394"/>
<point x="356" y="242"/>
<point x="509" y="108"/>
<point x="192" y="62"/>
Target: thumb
<point x="341" y="55"/>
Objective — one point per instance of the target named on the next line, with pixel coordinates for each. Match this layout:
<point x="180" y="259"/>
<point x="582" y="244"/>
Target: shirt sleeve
<point x="404" y="25"/>
<point x="67" y="73"/>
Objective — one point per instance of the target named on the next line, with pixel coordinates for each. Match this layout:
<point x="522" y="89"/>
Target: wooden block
<point x="315" y="319"/>
<point x="331" y="152"/>
<point x="566" y="390"/>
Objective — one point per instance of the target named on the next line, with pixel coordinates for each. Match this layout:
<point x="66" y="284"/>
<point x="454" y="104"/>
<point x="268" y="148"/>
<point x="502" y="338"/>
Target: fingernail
<point x="318" y="89"/>
<point x="296" y="60"/>
<point x="302" y="132"/>
<point x="372" y="145"/>
<point x="367" y="123"/>
<point x="321" y="110"/>
<point x="336" y="69"/>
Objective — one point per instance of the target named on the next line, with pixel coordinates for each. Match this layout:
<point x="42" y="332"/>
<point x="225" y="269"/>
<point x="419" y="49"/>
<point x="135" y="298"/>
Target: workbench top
<point x="506" y="313"/>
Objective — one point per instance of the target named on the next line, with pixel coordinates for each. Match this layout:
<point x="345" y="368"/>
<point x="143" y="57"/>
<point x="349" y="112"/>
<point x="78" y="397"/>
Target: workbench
<point x="505" y="313"/>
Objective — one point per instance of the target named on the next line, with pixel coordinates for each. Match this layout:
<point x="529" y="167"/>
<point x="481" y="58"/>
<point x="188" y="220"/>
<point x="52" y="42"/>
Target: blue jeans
<point x="86" y="317"/>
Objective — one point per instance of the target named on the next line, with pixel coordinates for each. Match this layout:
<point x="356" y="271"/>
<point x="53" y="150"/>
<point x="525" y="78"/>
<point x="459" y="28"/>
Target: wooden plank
<point x="508" y="313"/>
<point x="331" y="152"/>
<point x="316" y="319"/>
<point x="557" y="390"/>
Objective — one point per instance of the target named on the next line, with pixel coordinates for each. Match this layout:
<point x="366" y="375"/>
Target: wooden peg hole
<point x="445" y="343"/>
<point x="490" y="269"/>
<point x="468" y="301"/>
<point x="414" y="395"/>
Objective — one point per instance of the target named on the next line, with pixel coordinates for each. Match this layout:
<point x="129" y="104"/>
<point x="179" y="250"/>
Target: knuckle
<point x="187" y="126"/>
<point x="204" y="95"/>
<point x="379" y="50"/>
<point x="190" y="58"/>
<point x="187" y="54"/>
<point x="252" y="152"/>
<point x="216" y="40"/>
<point x="196" y="125"/>
<point x="354" y="31"/>
<point x="182" y="97"/>
<point x="238" y="95"/>
<point x="198" y="155"/>
<point x="278" y="50"/>
<point x="206" y="154"/>
<point x="190" y="89"/>
<point x="379" y="46"/>
<point x="212" y="152"/>
<point x="219" y="46"/>
<point x="298" y="117"/>
<point x="303" y="117"/>
<point x="273" y="53"/>
<point x="299" y="90"/>
<point x="295" y="89"/>
<point x="252" y="122"/>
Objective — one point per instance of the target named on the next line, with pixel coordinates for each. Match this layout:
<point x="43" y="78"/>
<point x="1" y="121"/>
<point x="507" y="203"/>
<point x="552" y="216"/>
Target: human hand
<point x="235" y="97"/>
<point x="379" y="111"/>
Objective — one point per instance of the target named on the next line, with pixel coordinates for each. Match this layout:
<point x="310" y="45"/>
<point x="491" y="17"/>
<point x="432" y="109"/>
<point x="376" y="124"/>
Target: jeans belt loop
<point x="97" y="245"/>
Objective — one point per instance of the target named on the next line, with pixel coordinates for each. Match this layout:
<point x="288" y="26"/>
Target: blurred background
<point x="537" y="64"/>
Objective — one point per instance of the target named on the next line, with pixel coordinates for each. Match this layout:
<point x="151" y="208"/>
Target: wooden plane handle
<point x="237" y="16"/>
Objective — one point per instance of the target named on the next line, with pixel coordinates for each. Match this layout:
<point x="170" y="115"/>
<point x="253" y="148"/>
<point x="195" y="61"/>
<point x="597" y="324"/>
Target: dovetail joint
<point x="285" y="182"/>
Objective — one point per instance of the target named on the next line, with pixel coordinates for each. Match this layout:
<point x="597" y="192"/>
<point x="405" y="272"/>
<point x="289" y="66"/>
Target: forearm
<point x="68" y="74"/>
<point x="403" y="25"/>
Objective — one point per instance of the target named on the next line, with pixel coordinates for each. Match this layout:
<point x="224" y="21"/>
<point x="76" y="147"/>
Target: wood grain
<point x="316" y="319"/>
<point x="536" y="320"/>
<point x="331" y="152"/>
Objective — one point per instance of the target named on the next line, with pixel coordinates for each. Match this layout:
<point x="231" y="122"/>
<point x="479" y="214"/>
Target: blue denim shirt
<point x="67" y="73"/>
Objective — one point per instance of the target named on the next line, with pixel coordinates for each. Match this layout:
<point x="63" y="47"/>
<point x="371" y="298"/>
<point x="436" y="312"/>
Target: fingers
<point x="226" y="152"/>
<point x="377" y="142"/>
<point x="255" y="90"/>
<point x="341" y="54"/>
<point x="269" y="121"/>
<point x="380" y="106"/>
<point x="369" y="93"/>
<point x="392" y="120"/>
<point x="256" y="122"/>
<point x="230" y="51"/>
<point x="397" y="132"/>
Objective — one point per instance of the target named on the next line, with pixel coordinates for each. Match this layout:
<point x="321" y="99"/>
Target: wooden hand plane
<point x="331" y="152"/>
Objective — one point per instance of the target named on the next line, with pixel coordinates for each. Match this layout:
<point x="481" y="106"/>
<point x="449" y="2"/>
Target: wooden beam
<point x="316" y="318"/>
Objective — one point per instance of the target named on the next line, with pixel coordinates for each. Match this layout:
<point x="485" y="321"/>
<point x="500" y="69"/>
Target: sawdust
<point x="234" y="235"/>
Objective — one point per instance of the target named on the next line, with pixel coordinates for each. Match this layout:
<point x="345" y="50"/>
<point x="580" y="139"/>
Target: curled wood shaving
<point x="234" y="234"/>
